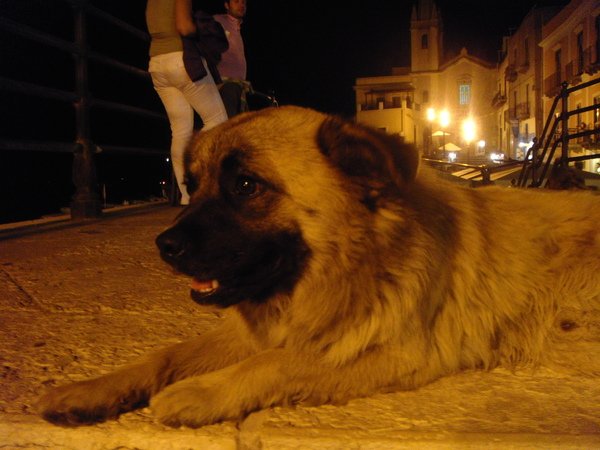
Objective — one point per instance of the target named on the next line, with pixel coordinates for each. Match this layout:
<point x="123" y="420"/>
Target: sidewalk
<point x="80" y="300"/>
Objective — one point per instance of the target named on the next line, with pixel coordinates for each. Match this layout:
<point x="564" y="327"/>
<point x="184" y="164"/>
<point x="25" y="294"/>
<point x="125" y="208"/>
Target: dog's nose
<point x="170" y="244"/>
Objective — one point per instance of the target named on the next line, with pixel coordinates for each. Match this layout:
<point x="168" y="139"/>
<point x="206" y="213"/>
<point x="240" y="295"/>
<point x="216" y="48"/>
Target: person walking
<point x="232" y="66"/>
<point x="168" y="21"/>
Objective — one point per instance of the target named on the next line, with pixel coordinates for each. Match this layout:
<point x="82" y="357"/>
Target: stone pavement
<point x="79" y="300"/>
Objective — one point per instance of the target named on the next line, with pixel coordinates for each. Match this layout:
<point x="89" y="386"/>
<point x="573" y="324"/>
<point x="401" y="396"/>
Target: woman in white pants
<point x="168" y="21"/>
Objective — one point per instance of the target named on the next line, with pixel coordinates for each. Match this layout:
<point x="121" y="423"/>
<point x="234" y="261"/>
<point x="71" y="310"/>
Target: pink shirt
<point x="233" y="61"/>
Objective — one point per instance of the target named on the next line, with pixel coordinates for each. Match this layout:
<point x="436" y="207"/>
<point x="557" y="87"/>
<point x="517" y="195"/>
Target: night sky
<point x="310" y="52"/>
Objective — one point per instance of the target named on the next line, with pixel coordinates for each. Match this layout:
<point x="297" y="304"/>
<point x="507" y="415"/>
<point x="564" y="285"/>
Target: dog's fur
<point x="343" y="273"/>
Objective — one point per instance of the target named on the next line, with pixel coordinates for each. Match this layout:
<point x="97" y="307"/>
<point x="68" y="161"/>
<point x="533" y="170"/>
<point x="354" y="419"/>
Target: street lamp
<point x="430" y="118"/>
<point x="468" y="133"/>
<point x="481" y="147"/>
<point x="444" y="122"/>
<point x="468" y="129"/>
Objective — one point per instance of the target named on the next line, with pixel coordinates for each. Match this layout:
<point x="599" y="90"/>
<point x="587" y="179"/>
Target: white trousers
<point x="181" y="97"/>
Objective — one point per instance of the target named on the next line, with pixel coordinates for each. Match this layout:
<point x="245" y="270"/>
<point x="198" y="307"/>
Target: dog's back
<point x="520" y="278"/>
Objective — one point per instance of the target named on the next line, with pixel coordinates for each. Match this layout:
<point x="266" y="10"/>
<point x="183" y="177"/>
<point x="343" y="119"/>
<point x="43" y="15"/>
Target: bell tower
<point x="426" y="31"/>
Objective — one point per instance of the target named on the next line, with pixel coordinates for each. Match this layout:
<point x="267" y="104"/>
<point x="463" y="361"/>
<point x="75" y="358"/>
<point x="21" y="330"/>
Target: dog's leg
<point x="280" y="377"/>
<point x="131" y="387"/>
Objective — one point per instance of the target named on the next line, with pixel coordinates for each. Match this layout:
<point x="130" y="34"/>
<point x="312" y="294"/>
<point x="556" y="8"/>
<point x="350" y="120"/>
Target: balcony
<point x="553" y="84"/>
<point x="498" y="100"/>
<point x="523" y="68"/>
<point x="379" y="104"/>
<point x="510" y="73"/>
<point x="573" y="71"/>
<point x="522" y="111"/>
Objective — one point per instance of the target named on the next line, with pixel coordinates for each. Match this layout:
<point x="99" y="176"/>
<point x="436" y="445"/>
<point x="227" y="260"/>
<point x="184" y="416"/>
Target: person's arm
<point x="183" y="18"/>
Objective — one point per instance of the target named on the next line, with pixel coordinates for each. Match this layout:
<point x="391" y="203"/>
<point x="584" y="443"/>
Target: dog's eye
<point x="247" y="187"/>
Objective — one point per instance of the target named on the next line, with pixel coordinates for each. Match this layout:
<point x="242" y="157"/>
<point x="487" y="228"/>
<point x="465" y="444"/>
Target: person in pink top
<point x="232" y="66"/>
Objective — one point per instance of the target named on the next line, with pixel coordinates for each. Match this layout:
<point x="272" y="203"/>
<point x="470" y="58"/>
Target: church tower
<point x="426" y="31"/>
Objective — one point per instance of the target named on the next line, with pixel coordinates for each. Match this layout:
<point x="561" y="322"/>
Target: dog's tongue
<point x="204" y="286"/>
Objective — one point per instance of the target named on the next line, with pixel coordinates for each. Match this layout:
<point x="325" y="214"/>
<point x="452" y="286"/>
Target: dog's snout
<point x="171" y="244"/>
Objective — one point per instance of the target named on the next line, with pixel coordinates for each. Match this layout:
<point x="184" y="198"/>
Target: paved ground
<point x="80" y="300"/>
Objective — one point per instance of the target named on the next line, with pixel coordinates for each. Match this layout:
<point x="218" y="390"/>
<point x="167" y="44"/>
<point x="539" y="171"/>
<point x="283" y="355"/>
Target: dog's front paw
<point x="85" y="403"/>
<point x="192" y="403"/>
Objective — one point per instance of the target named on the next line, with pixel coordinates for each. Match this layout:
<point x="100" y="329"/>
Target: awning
<point x="450" y="147"/>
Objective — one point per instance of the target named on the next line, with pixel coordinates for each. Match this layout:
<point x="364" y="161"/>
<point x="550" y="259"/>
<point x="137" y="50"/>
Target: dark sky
<point x="311" y="51"/>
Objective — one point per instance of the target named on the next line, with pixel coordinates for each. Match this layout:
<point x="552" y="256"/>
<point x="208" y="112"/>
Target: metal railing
<point x="541" y="155"/>
<point x="478" y="174"/>
<point x="86" y="200"/>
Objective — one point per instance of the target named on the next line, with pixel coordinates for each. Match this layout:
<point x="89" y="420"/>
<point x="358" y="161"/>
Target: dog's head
<point x="268" y="190"/>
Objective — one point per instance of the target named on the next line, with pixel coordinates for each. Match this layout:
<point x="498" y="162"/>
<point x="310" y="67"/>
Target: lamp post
<point x="468" y="134"/>
<point x="430" y="117"/>
<point x="444" y="122"/>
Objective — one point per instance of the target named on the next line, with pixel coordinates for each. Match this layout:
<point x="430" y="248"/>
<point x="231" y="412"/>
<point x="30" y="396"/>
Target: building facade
<point x="461" y="86"/>
<point x="520" y="78"/>
<point x="507" y="103"/>
<point x="570" y="46"/>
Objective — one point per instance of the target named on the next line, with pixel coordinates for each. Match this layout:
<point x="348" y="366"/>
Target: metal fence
<point x="541" y="157"/>
<point x="86" y="201"/>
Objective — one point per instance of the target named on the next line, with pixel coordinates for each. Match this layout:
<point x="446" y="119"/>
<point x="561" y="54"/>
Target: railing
<point x="522" y="111"/>
<point x="498" y="100"/>
<point x="86" y="200"/>
<point x="556" y="132"/>
<point x="479" y="174"/>
<point x="573" y="71"/>
<point x="510" y="73"/>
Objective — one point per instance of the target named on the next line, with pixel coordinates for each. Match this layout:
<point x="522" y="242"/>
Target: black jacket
<point x="208" y="43"/>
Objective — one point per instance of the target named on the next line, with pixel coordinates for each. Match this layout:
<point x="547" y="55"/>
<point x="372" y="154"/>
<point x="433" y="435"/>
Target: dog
<point x="344" y="269"/>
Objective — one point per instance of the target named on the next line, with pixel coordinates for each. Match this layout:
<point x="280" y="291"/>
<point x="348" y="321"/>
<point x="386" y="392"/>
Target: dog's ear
<point x="370" y="156"/>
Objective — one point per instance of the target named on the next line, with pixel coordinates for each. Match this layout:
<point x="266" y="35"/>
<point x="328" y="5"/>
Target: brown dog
<point x="344" y="273"/>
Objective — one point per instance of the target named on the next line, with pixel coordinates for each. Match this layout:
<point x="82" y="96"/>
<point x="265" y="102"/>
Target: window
<point x="526" y="51"/>
<point x="464" y="94"/>
<point x="425" y="41"/>
<point x="425" y="96"/>
<point x="396" y="102"/>
<point x="596" y="112"/>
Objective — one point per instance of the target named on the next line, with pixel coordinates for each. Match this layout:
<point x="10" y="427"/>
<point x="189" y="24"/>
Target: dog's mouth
<point x="246" y="268"/>
<point x="204" y="288"/>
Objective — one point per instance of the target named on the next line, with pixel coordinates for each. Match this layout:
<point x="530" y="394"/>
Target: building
<point x="570" y="45"/>
<point x="463" y="86"/>
<point x="520" y="77"/>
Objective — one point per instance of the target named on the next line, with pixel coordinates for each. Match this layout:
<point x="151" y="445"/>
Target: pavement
<point x="79" y="299"/>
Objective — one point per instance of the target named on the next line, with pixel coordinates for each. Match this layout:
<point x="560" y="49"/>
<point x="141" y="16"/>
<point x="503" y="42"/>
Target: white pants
<point x="181" y="97"/>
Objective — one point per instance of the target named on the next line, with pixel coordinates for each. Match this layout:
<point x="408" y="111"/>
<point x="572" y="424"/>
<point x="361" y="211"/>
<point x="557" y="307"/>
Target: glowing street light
<point x="430" y="118"/>
<point x="431" y="114"/>
<point x="444" y="118"/>
<point x="468" y="130"/>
